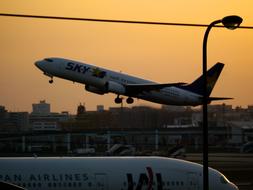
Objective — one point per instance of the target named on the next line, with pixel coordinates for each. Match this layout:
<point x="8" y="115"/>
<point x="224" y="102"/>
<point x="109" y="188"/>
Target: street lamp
<point x="230" y="22"/>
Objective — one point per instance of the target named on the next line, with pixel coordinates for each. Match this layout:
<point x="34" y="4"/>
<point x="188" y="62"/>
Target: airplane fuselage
<point x="99" y="80"/>
<point x="108" y="173"/>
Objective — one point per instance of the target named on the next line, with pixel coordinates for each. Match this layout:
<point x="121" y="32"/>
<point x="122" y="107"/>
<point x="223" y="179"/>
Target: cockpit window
<point x="49" y="60"/>
<point x="224" y="180"/>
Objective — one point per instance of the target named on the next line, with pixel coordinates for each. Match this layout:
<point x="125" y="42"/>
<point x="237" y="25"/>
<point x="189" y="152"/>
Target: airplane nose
<point x="233" y="187"/>
<point x="38" y="64"/>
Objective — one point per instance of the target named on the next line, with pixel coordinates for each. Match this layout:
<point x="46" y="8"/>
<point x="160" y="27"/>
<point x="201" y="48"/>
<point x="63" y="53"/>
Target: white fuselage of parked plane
<point x="99" y="80"/>
<point x="108" y="173"/>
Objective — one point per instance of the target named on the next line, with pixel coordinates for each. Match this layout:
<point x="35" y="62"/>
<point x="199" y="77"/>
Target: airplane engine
<point x="109" y="86"/>
<point x="115" y="87"/>
<point x="95" y="90"/>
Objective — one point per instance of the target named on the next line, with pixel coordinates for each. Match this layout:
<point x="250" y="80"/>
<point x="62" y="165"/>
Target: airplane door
<point x="100" y="182"/>
<point x="193" y="183"/>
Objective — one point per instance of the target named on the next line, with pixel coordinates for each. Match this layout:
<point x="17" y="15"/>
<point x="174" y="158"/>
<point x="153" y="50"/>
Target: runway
<point x="238" y="168"/>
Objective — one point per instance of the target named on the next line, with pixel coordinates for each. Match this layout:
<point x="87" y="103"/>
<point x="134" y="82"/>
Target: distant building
<point x="19" y="119"/>
<point x="118" y="109"/>
<point x="41" y="108"/>
<point x="81" y="109"/>
<point x="250" y="108"/>
<point x="3" y="115"/>
<point x="220" y="108"/>
<point x="100" y="108"/>
<point x="172" y="108"/>
<point x="45" y="126"/>
<point x="47" y="122"/>
<point x="42" y="119"/>
<point x="183" y="121"/>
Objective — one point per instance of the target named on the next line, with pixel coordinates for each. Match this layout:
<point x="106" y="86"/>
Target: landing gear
<point x="130" y="100"/>
<point x="51" y="80"/>
<point x="118" y="100"/>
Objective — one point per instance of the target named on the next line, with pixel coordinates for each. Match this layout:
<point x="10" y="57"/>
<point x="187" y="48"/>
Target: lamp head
<point x="231" y="22"/>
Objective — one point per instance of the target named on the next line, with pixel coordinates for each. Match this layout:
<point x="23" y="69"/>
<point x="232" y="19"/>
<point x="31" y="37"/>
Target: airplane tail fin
<point x="212" y="76"/>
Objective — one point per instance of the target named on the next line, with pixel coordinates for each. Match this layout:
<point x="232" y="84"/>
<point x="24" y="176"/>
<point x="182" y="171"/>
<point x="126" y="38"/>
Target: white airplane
<point x="100" y="81"/>
<point x="107" y="173"/>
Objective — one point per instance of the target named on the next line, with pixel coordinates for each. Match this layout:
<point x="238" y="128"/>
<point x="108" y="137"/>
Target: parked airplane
<point x="108" y="173"/>
<point x="100" y="81"/>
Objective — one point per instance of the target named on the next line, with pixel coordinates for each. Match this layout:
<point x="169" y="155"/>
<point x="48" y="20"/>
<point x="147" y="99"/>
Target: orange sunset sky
<point x="160" y="53"/>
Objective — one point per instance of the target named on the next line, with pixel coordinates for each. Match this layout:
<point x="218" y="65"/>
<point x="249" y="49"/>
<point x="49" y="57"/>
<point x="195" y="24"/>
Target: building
<point x="41" y="108"/>
<point x="172" y="108"/>
<point x="19" y="119"/>
<point x="42" y="119"/>
<point x="45" y="126"/>
<point x="100" y="108"/>
<point x="81" y="109"/>
<point x="3" y="115"/>
<point x="47" y="122"/>
<point x="220" y="108"/>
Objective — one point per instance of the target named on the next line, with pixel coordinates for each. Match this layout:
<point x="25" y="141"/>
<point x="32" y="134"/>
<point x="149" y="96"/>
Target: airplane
<point x="107" y="173"/>
<point x="101" y="81"/>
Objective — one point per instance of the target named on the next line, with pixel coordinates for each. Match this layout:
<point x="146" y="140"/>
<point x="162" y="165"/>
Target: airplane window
<point x="49" y="60"/>
<point x="177" y="183"/>
<point x="182" y="183"/>
<point x="168" y="183"/>
<point x="223" y="180"/>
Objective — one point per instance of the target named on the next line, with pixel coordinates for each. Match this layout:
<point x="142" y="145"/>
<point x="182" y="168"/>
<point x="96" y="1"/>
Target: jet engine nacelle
<point x="115" y="87"/>
<point x="95" y="90"/>
<point x="109" y="86"/>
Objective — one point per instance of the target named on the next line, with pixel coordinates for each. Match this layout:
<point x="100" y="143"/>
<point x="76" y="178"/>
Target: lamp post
<point x="230" y="22"/>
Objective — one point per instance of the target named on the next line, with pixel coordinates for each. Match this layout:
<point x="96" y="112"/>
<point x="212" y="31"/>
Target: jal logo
<point x="77" y="67"/>
<point x="145" y="179"/>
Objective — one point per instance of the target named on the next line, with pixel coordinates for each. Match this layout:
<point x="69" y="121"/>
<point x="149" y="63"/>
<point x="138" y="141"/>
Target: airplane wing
<point x="138" y="88"/>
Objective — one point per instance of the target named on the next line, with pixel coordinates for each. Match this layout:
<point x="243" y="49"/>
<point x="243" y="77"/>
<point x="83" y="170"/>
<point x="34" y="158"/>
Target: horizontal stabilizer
<point x="138" y="88"/>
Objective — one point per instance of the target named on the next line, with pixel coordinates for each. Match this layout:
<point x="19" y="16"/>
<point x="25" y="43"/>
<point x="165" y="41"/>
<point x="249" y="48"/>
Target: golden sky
<point x="161" y="53"/>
